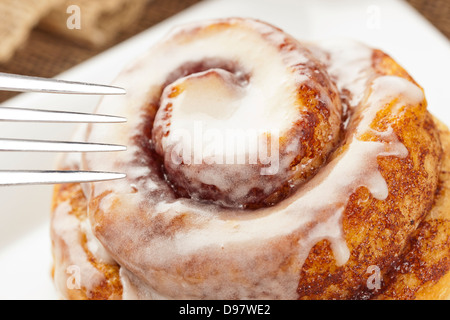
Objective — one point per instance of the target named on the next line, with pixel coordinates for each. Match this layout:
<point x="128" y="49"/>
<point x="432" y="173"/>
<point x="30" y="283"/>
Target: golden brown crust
<point x="377" y="232"/>
<point x="422" y="271"/>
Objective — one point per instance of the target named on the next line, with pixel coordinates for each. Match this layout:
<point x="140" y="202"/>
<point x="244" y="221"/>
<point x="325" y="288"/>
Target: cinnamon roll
<point x="260" y="167"/>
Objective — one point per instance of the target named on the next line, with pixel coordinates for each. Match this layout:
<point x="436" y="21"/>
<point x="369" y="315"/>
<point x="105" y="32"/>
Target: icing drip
<point x="76" y="264"/>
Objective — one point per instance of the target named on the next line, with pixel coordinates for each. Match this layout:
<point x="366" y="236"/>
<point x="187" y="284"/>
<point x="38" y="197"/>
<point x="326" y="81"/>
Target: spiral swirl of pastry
<point x="338" y="164"/>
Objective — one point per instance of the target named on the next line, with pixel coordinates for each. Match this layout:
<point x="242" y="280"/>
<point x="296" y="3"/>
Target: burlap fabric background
<point x="47" y="54"/>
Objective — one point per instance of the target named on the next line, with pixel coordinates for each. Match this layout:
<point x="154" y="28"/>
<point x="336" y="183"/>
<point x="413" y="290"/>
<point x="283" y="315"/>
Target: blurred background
<point x="36" y="38"/>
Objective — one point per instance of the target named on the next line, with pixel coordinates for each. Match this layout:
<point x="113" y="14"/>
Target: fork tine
<point x="56" y="146"/>
<point x="13" y="82"/>
<point x="36" y="115"/>
<point x="11" y="177"/>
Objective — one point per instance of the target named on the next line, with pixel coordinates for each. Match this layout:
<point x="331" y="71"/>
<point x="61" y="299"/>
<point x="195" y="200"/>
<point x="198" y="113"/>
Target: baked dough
<point x="362" y="214"/>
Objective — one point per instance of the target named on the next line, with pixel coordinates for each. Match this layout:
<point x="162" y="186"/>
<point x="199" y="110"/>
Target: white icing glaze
<point x="357" y="72"/>
<point x="93" y="245"/>
<point x="70" y="257"/>
<point x="212" y="122"/>
<point x="134" y="288"/>
<point x="240" y="253"/>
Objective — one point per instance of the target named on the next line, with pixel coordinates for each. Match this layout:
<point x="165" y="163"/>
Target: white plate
<point x="392" y="26"/>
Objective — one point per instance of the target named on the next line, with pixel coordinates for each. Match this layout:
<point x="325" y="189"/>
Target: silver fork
<point x="12" y="82"/>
